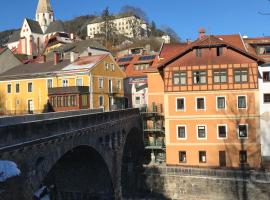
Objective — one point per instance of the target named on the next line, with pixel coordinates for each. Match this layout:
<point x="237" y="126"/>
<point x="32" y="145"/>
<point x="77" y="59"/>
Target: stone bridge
<point x="77" y="155"/>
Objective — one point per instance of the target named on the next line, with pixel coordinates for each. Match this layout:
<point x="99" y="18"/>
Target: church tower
<point x="44" y="14"/>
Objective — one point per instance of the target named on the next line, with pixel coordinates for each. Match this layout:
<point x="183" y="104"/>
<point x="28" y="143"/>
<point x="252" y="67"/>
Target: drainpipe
<point x="91" y="90"/>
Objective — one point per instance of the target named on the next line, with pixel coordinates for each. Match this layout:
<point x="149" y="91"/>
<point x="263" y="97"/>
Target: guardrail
<point x="43" y="128"/>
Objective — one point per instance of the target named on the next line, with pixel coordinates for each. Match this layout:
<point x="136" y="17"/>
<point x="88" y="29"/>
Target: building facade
<point x="209" y="90"/>
<point x="34" y="34"/>
<point x="88" y="82"/>
<point x="128" y="25"/>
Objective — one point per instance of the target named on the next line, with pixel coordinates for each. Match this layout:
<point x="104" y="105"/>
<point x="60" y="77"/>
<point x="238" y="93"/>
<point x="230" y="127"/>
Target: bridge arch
<point x="81" y="173"/>
<point x="132" y="160"/>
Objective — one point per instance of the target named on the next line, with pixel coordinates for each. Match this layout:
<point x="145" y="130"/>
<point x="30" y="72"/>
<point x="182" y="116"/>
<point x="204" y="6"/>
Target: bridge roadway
<point x="77" y="154"/>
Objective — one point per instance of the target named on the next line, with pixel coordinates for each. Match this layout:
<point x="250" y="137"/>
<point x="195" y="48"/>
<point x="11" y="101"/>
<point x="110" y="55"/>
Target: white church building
<point x="31" y="39"/>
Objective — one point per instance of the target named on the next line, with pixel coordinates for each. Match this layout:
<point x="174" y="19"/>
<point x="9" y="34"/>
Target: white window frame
<point x="136" y="100"/>
<point x="196" y="103"/>
<point x="197" y="130"/>
<point x="181" y="125"/>
<point x="79" y="79"/>
<point x="65" y="85"/>
<point x="217" y="103"/>
<point x="101" y="78"/>
<point x="113" y="66"/>
<point x="226" y="128"/>
<point x="47" y="82"/>
<point x="246" y="102"/>
<point x="237" y="130"/>
<point x="10" y="88"/>
<point x="184" y="103"/>
<point x="101" y="106"/>
<point x="28" y="88"/>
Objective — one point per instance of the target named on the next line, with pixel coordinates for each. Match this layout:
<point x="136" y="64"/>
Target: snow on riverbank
<point x="8" y="169"/>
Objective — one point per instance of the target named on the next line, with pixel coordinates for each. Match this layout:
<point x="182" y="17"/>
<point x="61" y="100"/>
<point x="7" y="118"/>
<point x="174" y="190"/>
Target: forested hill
<point x="78" y="25"/>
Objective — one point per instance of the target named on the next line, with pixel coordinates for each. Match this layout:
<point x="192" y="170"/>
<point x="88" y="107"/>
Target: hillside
<point x="78" y="26"/>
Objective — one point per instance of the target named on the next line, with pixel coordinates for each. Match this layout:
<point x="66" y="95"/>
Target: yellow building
<point x="89" y="82"/>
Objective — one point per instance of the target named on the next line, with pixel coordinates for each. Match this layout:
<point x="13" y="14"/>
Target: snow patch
<point x="8" y="169"/>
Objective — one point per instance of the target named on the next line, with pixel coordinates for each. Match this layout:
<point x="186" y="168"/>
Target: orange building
<point x="209" y="89"/>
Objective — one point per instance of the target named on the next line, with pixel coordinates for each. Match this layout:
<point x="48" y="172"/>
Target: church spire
<point x="44" y="6"/>
<point x="44" y="14"/>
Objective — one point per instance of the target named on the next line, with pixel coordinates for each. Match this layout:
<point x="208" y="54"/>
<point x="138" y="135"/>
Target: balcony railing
<point x="154" y="143"/>
<point x="68" y="90"/>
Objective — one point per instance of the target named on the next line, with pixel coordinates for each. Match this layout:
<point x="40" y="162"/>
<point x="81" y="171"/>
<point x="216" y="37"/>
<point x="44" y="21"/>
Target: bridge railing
<point x="25" y="132"/>
<point x="52" y="115"/>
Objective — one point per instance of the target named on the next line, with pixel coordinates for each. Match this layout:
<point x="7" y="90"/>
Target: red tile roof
<point x="169" y="50"/>
<point x="233" y="41"/>
<point x="130" y="65"/>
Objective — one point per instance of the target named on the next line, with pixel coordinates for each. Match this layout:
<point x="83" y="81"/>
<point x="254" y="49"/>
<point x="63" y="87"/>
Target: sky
<point x="184" y="16"/>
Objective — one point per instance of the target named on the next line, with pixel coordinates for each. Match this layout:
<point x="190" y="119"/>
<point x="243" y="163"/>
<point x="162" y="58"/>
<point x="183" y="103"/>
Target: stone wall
<point x="194" y="183"/>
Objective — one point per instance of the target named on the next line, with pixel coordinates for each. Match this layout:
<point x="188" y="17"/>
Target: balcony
<point x="155" y="143"/>
<point x="68" y="90"/>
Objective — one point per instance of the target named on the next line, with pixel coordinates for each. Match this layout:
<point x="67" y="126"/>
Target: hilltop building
<point x="31" y="39"/>
<point x="209" y="90"/>
<point x="128" y="25"/>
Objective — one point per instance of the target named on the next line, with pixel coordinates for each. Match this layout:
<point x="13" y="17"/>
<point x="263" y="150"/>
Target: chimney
<point x="189" y="41"/>
<point x="201" y="33"/>
<point x="56" y="57"/>
<point x="73" y="56"/>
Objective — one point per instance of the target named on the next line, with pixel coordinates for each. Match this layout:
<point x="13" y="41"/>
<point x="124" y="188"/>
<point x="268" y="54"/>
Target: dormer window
<point x="199" y="53"/>
<point x="263" y="50"/>
<point x="219" y="51"/>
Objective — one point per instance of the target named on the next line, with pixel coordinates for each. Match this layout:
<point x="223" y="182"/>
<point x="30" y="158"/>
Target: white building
<point x="264" y="87"/>
<point x="128" y="25"/>
<point x="34" y="34"/>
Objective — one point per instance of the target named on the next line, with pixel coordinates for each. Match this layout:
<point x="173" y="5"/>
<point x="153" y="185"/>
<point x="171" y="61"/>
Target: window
<point x="79" y="82"/>
<point x="100" y="83"/>
<point x="179" y="78"/>
<point x="73" y="100"/>
<point x="137" y="100"/>
<point x="266" y="76"/>
<point x="220" y="76"/>
<point x="180" y="103"/>
<point x="243" y="157"/>
<point x="200" y="103"/>
<point x="222" y="131"/>
<point x="199" y="77"/>
<point x="266" y="98"/>
<point x="263" y="50"/>
<point x="201" y="132"/>
<point x="182" y="156"/>
<point x="17" y="88"/>
<point x="112" y="66"/>
<point x="241" y="102"/>
<point x="8" y="88"/>
<point x="242" y="131"/>
<point x="65" y="83"/>
<point x="198" y="52"/>
<point x="49" y="83"/>
<point x="221" y="102"/>
<point x="101" y="101"/>
<point x="106" y="66"/>
<point x="30" y="87"/>
<point x="118" y="85"/>
<point x="181" y="132"/>
<point x="219" y="51"/>
<point x="241" y="75"/>
<point x="84" y="100"/>
<point x="202" y="156"/>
